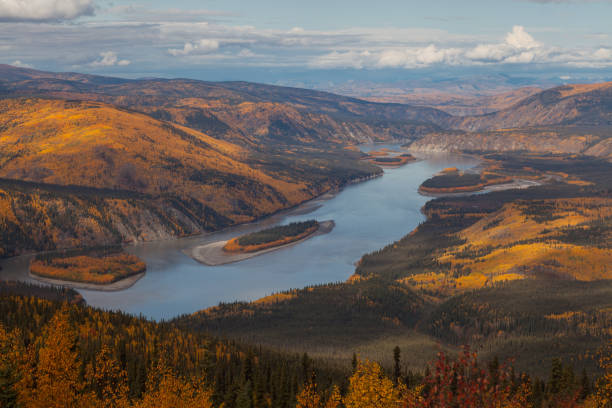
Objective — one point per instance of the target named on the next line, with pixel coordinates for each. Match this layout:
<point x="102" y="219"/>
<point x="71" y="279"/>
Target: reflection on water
<point x="368" y="216"/>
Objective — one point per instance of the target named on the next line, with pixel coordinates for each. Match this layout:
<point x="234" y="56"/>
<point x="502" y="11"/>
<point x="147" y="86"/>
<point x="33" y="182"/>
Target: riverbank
<point x="212" y="254"/>
<point x="110" y="287"/>
<point x="515" y="184"/>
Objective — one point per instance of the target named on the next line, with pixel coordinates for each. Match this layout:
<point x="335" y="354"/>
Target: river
<point x="368" y="216"/>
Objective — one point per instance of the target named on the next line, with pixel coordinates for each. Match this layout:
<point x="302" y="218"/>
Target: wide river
<point x="368" y="216"/>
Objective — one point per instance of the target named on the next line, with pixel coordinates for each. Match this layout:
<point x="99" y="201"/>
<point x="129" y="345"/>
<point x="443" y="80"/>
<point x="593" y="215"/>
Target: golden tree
<point x="603" y="396"/>
<point x="335" y="399"/>
<point x="53" y="380"/>
<point x="166" y="390"/>
<point x="369" y="388"/>
<point x="10" y="352"/>
<point x="308" y="397"/>
<point x="109" y="380"/>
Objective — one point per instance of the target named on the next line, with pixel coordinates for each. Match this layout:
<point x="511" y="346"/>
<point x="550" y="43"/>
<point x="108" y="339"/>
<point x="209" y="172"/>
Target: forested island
<point x="452" y="180"/>
<point x="259" y="242"/>
<point x="387" y="158"/>
<point x="99" y="266"/>
<point x="272" y="237"/>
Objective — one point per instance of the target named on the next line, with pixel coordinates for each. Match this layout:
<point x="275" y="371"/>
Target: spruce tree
<point x="397" y="367"/>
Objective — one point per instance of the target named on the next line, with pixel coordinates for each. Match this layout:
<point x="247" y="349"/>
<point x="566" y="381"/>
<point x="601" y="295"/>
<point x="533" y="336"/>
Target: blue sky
<point x="283" y="40"/>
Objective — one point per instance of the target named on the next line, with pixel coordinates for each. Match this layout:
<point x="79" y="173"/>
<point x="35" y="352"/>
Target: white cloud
<point x="517" y="47"/>
<point x="19" y="64"/>
<point x="603" y="54"/>
<point x="211" y="44"/>
<point x="246" y="53"/>
<point x="44" y="10"/>
<point x="203" y="46"/>
<point x="109" y="59"/>
<point x="520" y="39"/>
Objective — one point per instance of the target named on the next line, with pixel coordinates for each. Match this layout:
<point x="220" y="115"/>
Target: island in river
<point x="388" y="158"/>
<point x="452" y="180"/>
<point x="99" y="269"/>
<point x="259" y="242"/>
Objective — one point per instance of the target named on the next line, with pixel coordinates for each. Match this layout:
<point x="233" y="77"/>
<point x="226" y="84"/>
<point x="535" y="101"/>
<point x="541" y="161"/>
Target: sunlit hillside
<point x="253" y="115"/>
<point x="128" y="176"/>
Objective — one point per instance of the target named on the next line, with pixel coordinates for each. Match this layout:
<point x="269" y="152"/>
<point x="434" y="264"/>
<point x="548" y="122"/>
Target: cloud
<point x="520" y="39"/>
<point x="19" y="64"/>
<point x="109" y="59"/>
<point x="517" y="47"/>
<point x="44" y="10"/>
<point x="203" y="46"/>
<point x="175" y="46"/>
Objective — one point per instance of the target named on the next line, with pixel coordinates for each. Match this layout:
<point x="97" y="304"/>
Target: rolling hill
<point x="124" y="175"/>
<point x="568" y="119"/>
<point x="245" y="113"/>
<point x="575" y="105"/>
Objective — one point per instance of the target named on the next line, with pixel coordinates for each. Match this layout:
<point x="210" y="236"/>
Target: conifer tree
<point x="397" y="368"/>
<point x="9" y="354"/>
<point x="56" y="382"/>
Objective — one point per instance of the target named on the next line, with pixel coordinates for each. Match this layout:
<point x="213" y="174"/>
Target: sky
<point x="284" y="40"/>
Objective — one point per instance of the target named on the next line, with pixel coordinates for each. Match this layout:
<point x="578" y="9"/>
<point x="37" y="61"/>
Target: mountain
<point x="567" y="119"/>
<point x="454" y="97"/>
<point x="244" y="113"/>
<point x="123" y="175"/>
<point x="588" y="140"/>
<point x="576" y="105"/>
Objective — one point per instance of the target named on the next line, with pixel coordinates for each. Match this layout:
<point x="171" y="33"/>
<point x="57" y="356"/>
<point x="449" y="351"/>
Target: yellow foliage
<point x="369" y="388"/>
<point x="511" y="244"/>
<point x="91" y="269"/>
<point x="308" y="397"/>
<point x="275" y="298"/>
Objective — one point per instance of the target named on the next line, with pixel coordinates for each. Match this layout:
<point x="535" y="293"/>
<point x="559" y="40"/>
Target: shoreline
<point x="212" y="254"/>
<point x="518" y="184"/>
<point x="301" y="208"/>
<point x="119" y="285"/>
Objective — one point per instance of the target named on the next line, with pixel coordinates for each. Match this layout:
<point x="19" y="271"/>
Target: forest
<point x="520" y="273"/>
<point x="58" y="353"/>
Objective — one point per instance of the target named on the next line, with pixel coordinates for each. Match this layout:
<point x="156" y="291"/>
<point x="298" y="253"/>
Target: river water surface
<point x="368" y="216"/>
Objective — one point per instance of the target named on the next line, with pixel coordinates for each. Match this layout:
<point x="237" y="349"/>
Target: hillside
<point x="576" y="105"/>
<point x="127" y="176"/>
<point x="515" y="273"/>
<point x="588" y="140"/>
<point x="244" y="113"/>
<point x="566" y="119"/>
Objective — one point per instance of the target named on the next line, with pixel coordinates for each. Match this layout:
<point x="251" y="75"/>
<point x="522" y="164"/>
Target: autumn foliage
<point x="272" y="237"/>
<point x="89" y="269"/>
<point x="84" y="358"/>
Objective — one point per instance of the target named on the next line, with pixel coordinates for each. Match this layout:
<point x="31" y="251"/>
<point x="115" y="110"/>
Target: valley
<point x="488" y="231"/>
